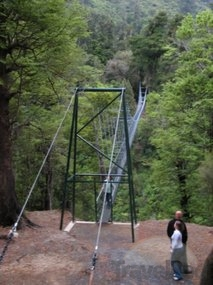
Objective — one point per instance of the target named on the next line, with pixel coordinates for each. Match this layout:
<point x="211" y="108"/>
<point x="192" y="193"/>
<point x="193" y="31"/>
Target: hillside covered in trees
<point x="47" y="48"/>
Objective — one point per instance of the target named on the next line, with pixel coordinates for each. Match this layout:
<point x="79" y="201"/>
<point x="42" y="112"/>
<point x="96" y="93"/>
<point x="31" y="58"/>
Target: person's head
<point x="178" y="215"/>
<point x="106" y="179"/>
<point x="178" y="225"/>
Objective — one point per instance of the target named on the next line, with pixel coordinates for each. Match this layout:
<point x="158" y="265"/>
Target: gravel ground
<point x="46" y="255"/>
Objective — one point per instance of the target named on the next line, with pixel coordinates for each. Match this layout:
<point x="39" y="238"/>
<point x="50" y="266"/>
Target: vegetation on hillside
<point x="179" y="124"/>
<point x="46" y="49"/>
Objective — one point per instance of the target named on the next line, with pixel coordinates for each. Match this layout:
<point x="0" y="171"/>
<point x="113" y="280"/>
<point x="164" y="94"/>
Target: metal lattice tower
<point x="103" y="128"/>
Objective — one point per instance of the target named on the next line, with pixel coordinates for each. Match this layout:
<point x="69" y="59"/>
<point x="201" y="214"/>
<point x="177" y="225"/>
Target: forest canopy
<point x="48" y="48"/>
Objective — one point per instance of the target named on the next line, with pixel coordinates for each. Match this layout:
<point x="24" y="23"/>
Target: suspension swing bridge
<point x="102" y="131"/>
<point x="107" y="134"/>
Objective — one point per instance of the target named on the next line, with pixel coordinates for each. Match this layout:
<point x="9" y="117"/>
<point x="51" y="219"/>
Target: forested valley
<point x="47" y="48"/>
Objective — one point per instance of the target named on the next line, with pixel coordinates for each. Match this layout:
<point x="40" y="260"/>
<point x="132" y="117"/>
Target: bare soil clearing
<point x="47" y="255"/>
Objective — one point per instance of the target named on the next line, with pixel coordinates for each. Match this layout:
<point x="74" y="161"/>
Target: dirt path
<point x="50" y="256"/>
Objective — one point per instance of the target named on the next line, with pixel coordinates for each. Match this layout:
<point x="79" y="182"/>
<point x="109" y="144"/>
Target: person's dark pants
<point x="177" y="268"/>
<point x="177" y="262"/>
<point x="108" y="199"/>
<point x="186" y="268"/>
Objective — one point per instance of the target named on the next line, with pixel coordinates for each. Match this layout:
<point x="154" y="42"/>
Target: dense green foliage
<point x="181" y="136"/>
<point x="112" y="23"/>
<point x="39" y="61"/>
<point x="49" y="47"/>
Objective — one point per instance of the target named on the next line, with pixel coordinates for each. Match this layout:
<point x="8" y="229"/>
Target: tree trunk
<point x="185" y="197"/>
<point x="9" y="208"/>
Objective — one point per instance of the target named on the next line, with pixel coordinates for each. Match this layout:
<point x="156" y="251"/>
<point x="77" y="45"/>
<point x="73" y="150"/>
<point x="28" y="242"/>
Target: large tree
<point x="38" y="46"/>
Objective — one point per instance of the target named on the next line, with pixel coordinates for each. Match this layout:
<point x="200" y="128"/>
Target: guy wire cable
<point x="44" y="161"/>
<point x="94" y="258"/>
<point x="14" y="228"/>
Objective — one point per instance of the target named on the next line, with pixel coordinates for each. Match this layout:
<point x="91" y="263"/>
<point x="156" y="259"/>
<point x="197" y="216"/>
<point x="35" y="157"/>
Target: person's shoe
<point x="176" y="278"/>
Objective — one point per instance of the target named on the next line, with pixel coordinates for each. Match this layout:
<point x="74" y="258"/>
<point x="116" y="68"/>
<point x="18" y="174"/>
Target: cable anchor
<point x="94" y="258"/>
